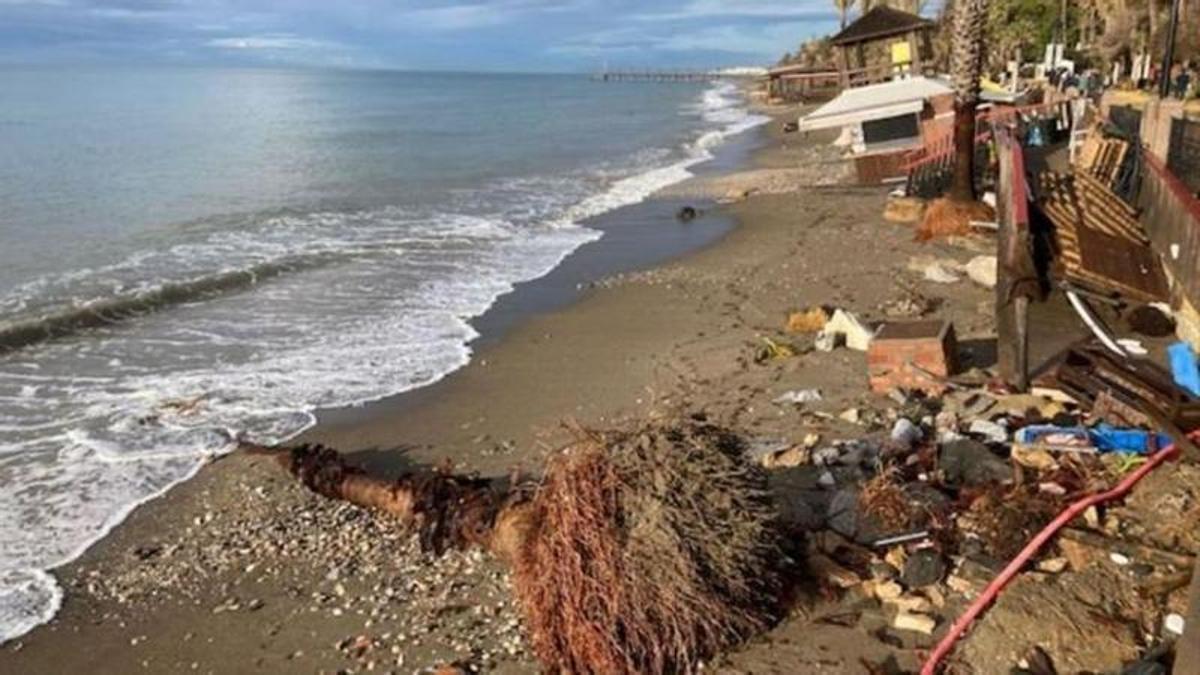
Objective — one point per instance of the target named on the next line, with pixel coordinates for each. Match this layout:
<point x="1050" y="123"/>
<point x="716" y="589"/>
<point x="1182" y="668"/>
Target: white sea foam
<point x="366" y="305"/>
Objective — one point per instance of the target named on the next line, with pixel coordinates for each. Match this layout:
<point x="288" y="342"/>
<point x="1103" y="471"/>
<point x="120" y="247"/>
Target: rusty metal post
<point x="1016" y="275"/>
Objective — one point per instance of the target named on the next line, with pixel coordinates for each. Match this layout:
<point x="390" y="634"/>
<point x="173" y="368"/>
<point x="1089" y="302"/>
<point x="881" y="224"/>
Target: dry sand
<point x="240" y="571"/>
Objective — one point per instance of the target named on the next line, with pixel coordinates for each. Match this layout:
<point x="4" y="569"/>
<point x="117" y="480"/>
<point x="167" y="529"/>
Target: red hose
<point x="993" y="589"/>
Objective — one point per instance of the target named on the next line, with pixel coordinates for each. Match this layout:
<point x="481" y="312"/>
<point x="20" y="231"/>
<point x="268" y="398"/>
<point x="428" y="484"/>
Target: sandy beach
<point x="239" y="570"/>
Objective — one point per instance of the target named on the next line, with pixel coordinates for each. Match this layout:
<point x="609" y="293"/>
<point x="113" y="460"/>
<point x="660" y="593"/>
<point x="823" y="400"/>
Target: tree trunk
<point x="1152" y="19"/>
<point x="970" y="18"/>
<point x="962" y="186"/>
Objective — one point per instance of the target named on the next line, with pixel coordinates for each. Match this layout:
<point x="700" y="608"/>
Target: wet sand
<point x="241" y="571"/>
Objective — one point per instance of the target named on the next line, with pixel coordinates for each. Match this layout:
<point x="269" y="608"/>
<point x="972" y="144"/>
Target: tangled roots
<point x="649" y="549"/>
<point x="946" y="217"/>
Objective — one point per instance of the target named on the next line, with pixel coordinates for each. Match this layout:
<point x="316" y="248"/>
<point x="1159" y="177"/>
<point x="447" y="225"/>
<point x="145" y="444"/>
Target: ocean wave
<point x="179" y="353"/>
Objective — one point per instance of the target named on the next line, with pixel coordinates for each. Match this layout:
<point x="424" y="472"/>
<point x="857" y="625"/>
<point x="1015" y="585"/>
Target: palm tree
<point x="970" y="19"/>
<point x="843" y="7"/>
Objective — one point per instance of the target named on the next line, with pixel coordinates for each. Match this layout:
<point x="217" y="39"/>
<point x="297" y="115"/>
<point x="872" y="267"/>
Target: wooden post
<point x="844" y="67"/>
<point x="1016" y="274"/>
<point x="914" y="55"/>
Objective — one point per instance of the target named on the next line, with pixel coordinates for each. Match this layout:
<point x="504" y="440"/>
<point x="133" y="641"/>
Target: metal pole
<point x="1164" y="81"/>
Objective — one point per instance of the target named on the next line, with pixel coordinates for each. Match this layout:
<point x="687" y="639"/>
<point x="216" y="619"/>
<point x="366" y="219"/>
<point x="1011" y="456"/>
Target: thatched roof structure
<point x="880" y="23"/>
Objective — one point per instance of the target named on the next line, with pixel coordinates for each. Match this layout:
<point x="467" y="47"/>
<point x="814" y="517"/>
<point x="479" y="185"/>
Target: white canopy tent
<point x="874" y="102"/>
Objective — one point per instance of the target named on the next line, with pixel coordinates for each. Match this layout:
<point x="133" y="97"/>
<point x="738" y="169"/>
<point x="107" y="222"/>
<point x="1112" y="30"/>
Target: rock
<point x="826" y="480"/>
<point x="1077" y="554"/>
<point x="905" y="433"/>
<point x="968" y="462"/>
<point x="882" y="571"/>
<point x="923" y="568"/>
<point x="792" y="457"/>
<point x="904" y="210"/>
<point x="1119" y="558"/>
<point x="982" y="270"/>
<point x="826" y="456"/>
<point x="917" y="623"/>
<point x="687" y="214"/>
<point x="851" y="415"/>
<point x="1053" y="565"/>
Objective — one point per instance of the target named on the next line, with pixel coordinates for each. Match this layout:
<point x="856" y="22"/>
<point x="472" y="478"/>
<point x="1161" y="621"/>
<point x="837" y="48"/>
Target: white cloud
<point x="268" y="42"/>
<point x="699" y="9"/>
<point x="759" y="41"/>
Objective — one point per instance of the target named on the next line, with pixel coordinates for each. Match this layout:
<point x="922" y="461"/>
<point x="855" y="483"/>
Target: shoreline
<point x="235" y="569"/>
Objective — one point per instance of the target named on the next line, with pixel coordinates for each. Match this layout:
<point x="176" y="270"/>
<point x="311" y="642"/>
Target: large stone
<point x="923" y="568"/>
<point x="968" y="462"/>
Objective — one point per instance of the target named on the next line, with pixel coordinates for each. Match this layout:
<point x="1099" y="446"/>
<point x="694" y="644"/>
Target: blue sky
<point x="520" y="35"/>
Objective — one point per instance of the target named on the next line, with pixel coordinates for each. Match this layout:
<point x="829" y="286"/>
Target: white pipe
<point x="1085" y="313"/>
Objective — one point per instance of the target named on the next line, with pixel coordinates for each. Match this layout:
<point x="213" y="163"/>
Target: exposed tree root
<point x="643" y="550"/>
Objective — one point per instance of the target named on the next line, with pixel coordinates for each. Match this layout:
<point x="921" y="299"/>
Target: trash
<point x="811" y="320"/>
<point x="1052" y="488"/>
<point x="909" y="305"/>
<point x="996" y="433"/>
<point x="1055" y="439"/>
<point x="1133" y="347"/>
<point x="982" y="270"/>
<point x="923" y="568"/>
<point x="1034" y="458"/>
<point x="909" y="538"/>
<point x="1111" y="439"/>
<point x="917" y="623"/>
<point x="905" y="433"/>
<point x="799" y="396"/>
<point x="853" y="333"/>
<point x="773" y="350"/>
<point x="826" y="342"/>
<point x="851" y="415"/>
<point x="1174" y="623"/>
<point x="1184" y="367"/>
<point x="940" y="274"/>
<point x="912" y="355"/>
<point x="1022" y="405"/>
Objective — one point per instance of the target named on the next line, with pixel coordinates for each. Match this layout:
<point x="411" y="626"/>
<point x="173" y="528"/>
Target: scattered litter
<point x="1174" y="623"/>
<point x="994" y="432"/>
<point x="799" y="396"/>
<point x="1184" y="367"/>
<point x="909" y="538"/>
<point x="940" y="274"/>
<point x="848" y="328"/>
<point x="982" y="270"/>
<point x="918" y="623"/>
<point x="811" y="320"/>
<point x="772" y="349"/>
<point x="1133" y="347"/>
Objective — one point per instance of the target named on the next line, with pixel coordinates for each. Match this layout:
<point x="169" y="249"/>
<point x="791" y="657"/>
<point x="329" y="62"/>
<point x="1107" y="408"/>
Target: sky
<point x="472" y="35"/>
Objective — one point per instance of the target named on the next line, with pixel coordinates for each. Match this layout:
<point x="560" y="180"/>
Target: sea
<point x="193" y="257"/>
